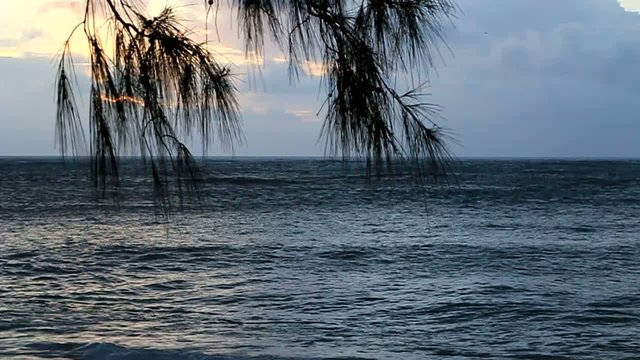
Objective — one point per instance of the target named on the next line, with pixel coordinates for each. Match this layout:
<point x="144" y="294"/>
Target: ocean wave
<point x="109" y="351"/>
<point x="288" y="256"/>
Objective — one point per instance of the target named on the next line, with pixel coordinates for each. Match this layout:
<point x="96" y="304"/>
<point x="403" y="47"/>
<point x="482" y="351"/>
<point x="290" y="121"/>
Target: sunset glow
<point x="51" y="21"/>
<point x="123" y="98"/>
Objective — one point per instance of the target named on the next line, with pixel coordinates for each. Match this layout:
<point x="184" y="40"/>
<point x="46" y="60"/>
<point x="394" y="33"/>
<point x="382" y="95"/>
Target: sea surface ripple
<point x="307" y="259"/>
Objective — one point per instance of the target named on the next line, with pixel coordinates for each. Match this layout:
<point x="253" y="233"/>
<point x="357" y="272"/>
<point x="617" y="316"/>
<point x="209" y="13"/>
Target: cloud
<point x="26" y="100"/>
<point x="630" y="5"/>
<point x="75" y="6"/>
<point x="314" y="69"/>
<point x="279" y="133"/>
<point x="569" y="51"/>
<point x="530" y="88"/>
<point x="305" y="115"/>
<point x="8" y="42"/>
<point x="32" y="34"/>
<point x="233" y="56"/>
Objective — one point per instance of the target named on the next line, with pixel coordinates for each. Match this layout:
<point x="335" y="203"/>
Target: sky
<point x="518" y="78"/>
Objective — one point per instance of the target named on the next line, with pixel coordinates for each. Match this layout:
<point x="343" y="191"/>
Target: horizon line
<point x="326" y="157"/>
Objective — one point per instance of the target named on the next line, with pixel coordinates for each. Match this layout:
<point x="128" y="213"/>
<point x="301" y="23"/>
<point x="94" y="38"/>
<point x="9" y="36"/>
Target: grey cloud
<point x="26" y="100"/>
<point x="32" y="34"/>
<point x="569" y="50"/>
<point x="537" y="87"/>
<point x="275" y="79"/>
<point x="8" y="42"/>
<point x="278" y="133"/>
<point x="76" y="6"/>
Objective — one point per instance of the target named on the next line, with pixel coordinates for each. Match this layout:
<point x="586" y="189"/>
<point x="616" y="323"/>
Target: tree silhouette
<point x="159" y="87"/>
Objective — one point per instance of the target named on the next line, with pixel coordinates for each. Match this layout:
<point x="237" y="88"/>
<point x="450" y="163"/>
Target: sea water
<point x="308" y="258"/>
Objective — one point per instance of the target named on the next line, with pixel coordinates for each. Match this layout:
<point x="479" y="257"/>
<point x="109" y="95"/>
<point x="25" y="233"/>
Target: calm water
<point x="303" y="259"/>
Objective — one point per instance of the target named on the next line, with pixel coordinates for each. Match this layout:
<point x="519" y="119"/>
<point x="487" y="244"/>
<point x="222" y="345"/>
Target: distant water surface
<point x="305" y="259"/>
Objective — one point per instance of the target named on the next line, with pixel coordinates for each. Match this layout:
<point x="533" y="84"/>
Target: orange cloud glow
<point x="123" y="99"/>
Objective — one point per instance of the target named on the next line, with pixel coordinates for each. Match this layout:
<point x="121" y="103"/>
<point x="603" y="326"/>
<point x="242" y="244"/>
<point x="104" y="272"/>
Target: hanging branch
<point x="363" y="46"/>
<point x="160" y="87"/>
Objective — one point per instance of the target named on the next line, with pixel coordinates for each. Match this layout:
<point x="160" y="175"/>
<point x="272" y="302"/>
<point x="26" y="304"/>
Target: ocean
<point x="308" y="259"/>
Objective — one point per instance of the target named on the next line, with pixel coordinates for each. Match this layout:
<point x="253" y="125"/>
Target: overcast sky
<point x="556" y="78"/>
